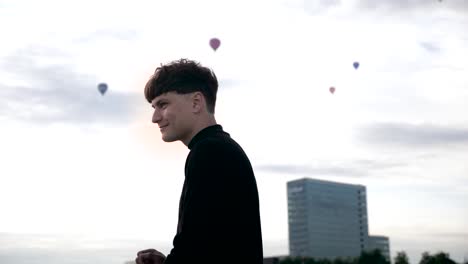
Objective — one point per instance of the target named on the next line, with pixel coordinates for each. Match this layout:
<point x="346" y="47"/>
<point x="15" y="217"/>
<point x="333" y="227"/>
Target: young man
<point x="219" y="216"/>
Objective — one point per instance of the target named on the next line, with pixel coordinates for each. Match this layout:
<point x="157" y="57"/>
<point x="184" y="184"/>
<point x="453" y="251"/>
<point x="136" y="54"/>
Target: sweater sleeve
<point x="208" y="202"/>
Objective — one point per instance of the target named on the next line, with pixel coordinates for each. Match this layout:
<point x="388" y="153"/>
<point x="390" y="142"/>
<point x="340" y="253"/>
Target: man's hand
<point x="150" y="256"/>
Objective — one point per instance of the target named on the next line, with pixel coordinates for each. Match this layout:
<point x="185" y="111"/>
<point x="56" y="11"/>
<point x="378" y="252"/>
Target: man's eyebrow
<point x="158" y="102"/>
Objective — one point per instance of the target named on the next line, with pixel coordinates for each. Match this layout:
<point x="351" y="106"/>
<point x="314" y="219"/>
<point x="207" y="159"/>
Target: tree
<point x="291" y="260"/>
<point x="372" y="257"/>
<point x="401" y="258"/>
<point x="439" y="258"/>
<point x="342" y="261"/>
<point x="324" y="261"/>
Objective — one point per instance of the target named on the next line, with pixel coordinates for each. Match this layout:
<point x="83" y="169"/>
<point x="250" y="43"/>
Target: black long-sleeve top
<point x="219" y="216"/>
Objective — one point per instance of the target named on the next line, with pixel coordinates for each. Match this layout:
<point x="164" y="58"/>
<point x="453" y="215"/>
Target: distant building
<point x="381" y="243"/>
<point x="326" y="219"/>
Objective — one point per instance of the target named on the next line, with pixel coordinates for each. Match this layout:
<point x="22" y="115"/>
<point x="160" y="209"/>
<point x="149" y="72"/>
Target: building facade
<point x="381" y="243"/>
<point x="327" y="219"/>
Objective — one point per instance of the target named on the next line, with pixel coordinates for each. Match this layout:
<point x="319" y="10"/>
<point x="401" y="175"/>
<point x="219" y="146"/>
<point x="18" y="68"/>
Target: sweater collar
<point x="204" y="133"/>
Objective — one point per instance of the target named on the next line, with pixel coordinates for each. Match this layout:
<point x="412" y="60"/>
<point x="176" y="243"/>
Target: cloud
<point x="30" y="249"/>
<point x="412" y="135"/>
<point x="449" y="235"/>
<point x="313" y="6"/>
<point x="430" y="47"/>
<point x="356" y="168"/>
<point x="387" y="6"/>
<point x="44" y="88"/>
<point x="228" y="83"/>
<point x="111" y="34"/>
<point x="403" y="5"/>
<point x="310" y="170"/>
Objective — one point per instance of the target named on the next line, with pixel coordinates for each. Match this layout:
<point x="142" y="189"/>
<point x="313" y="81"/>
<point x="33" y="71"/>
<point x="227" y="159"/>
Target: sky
<point x="87" y="177"/>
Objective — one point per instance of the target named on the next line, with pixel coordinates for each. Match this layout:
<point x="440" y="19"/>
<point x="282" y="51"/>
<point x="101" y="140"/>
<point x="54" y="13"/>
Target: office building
<point x="326" y="219"/>
<point x="381" y="243"/>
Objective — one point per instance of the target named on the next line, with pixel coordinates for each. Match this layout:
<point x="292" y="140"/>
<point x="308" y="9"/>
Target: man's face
<point x="173" y="113"/>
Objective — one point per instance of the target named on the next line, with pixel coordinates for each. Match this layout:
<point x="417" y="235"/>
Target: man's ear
<point x="198" y="102"/>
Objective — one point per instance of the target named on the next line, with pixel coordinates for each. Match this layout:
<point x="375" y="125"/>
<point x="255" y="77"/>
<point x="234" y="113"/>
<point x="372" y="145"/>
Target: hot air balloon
<point x="332" y="90"/>
<point x="356" y="65"/>
<point x="102" y="87"/>
<point x="214" y="43"/>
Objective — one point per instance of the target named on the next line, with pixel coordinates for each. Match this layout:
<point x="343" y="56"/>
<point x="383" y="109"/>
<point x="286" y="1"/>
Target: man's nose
<point x="156" y="116"/>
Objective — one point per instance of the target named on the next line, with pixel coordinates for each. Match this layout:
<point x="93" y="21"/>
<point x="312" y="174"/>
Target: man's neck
<point x="200" y="126"/>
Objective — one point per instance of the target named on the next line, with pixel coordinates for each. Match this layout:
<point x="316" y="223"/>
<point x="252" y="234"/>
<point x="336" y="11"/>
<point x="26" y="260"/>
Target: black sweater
<point x="219" y="217"/>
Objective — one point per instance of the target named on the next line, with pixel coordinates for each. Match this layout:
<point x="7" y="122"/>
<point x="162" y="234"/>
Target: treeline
<point x="374" y="257"/>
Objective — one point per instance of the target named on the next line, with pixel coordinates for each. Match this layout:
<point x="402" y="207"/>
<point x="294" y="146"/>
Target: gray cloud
<point x="31" y="249"/>
<point x="320" y="5"/>
<point x="404" y="5"/>
<point x="387" y="6"/>
<point x="357" y="168"/>
<point x="453" y="235"/>
<point x="72" y="256"/>
<point x="310" y="170"/>
<point x="410" y="135"/>
<point x="396" y="4"/>
<point x="51" y="93"/>
<point x="430" y="47"/>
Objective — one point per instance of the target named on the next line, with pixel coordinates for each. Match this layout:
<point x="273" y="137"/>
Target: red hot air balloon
<point x="214" y="43"/>
<point x="332" y="90"/>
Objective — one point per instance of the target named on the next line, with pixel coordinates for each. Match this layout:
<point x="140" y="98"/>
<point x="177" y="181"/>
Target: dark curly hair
<point x="183" y="76"/>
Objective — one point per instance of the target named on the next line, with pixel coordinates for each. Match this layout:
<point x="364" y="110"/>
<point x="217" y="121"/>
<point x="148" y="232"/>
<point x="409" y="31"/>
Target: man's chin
<point x="167" y="139"/>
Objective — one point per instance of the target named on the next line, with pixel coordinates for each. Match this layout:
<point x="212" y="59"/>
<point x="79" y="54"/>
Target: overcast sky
<point x="81" y="172"/>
